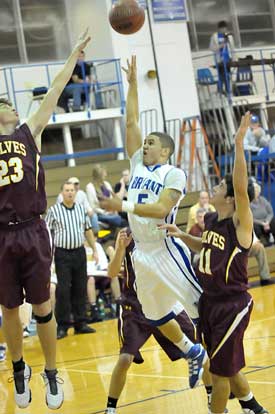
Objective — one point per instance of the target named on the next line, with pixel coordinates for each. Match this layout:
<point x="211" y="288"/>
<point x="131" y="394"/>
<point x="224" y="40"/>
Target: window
<point x="9" y="50"/>
<point x="252" y="22"/>
<point x="44" y="35"/>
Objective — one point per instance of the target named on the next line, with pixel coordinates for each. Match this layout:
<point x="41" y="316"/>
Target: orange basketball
<point x="127" y="17"/>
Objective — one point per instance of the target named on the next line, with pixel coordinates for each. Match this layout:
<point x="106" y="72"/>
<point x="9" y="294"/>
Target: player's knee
<point x="125" y="361"/>
<point x="10" y="313"/>
<point x="43" y="319"/>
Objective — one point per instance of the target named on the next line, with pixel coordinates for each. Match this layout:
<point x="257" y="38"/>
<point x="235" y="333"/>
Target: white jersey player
<point x="166" y="283"/>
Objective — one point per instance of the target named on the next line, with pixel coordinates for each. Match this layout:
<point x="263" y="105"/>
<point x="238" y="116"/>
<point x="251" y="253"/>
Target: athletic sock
<point x="208" y="389"/>
<point x="184" y="344"/>
<point x="112" y="402"/>
<point x="250" y="402"/>
<point x="18" y="365"/>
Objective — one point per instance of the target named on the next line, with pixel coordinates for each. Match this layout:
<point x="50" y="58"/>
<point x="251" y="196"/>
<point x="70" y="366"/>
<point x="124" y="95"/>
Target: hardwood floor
<point x="85" y="363"/>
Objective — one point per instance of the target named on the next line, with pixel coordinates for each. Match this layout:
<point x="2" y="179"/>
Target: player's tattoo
<point x="174" y="195"/>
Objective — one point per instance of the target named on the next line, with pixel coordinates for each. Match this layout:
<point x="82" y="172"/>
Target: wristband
<point x="128" y="206"/>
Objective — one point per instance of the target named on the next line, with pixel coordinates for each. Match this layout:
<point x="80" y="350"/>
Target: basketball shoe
<point x="196" y="358"/>
<point x="54" y="391"/>
<point x="110" y="410"/>
<point x="260" y="410"/>
<point x="22" y="392"/>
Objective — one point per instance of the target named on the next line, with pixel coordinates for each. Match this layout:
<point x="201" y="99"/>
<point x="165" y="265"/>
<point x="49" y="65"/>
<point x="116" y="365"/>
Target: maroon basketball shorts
<point x="223" y="324"/>
<point x="134" y="330"/>
<point x="25" y="261"/>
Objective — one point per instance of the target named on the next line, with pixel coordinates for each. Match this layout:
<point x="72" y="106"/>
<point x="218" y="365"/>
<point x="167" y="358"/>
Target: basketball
<point x="127" y="17"/>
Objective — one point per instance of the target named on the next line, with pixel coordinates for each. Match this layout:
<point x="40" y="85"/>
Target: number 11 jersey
<point x="223" y="261"/>
<point x="22" y="179"/>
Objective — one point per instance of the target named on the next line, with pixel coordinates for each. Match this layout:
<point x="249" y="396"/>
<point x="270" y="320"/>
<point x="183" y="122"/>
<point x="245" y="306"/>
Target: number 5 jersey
<point x="22" y="179"/>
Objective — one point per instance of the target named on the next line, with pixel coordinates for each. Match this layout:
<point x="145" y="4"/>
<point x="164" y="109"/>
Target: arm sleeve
<point x="87" y="222"/>
<point x="214" y="46"/>
<point x="269" y="211"/>
<point x="50" y="219"/>
<point x="176" y="180"/>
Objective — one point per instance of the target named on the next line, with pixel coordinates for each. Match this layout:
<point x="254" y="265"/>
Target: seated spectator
<point x="121" y="190"/>
<point x="78" y="86"/>
<point x="197" y="230"/>
<point x="203" y="202"/>
<point x="258" y="251"/>
<point x="255" y="138"/>
<point x="98" y="280"/>
<point x="100" y="188"/>
<point x="264" y="221"/>
<point x="81" y="198"/>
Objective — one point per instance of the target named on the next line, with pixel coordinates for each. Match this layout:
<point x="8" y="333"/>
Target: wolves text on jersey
<point x="7" y="147"/>
<point x="213" y="238"/>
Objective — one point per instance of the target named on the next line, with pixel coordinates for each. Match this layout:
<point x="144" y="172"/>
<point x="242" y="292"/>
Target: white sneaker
<point x="54" y="391"/>
<point x="110" y="410"/>
<point x="22" y="392"/>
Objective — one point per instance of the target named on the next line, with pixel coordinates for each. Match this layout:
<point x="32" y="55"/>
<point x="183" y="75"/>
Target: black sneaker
<point x="85" y="329"/>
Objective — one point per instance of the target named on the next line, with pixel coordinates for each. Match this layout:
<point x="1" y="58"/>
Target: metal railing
<point x="17" y="82"/>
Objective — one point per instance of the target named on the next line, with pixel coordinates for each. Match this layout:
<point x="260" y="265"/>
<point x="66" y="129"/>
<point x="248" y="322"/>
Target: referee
<point x="70" y="225"/>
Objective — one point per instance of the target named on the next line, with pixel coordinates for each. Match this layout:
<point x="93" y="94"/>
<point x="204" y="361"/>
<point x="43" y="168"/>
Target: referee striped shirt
<point x="68" y="225"/>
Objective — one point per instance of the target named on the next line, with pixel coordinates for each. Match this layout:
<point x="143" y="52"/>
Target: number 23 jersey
<point x="22" y="180"/>
<point x="146" y="185"/>
<point x="222" y="267"/>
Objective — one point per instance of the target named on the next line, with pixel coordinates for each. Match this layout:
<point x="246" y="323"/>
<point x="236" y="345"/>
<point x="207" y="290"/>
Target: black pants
<point x="71" y="292"/>
<point x="260" y="232"/>
<point x="223" y="77"/>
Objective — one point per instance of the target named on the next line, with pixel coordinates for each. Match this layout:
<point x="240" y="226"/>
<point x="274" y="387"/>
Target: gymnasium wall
<point x="173" y="54"/>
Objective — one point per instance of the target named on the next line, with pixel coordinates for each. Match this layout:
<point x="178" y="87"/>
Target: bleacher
<point x="56" y="177"/>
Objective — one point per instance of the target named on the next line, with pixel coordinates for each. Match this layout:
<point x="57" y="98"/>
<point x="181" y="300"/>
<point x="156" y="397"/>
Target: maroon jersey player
<point x="133" y="328"/>
<point x="225" y="304"/>
<point x="25" y="257"/>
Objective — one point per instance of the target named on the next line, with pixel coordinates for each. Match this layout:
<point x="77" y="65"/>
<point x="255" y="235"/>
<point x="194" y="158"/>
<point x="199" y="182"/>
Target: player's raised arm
<point x="38" y="121"/>
<point x="133" y="133"/>
<point x="243" y="218"/>
<point x="123" y="240"/>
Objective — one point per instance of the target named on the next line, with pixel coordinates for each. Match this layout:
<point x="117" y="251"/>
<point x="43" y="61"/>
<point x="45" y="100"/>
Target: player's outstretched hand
<point x="83" y="40"/>
<point x="172" y="229"/>
<point x="124" y="238"/>
<point x="131" y="70"/>
<point x="244" y="125"/>
<point x="111" y="204"/>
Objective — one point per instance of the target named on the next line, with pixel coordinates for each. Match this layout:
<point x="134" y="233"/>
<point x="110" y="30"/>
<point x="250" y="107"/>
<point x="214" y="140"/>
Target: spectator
<point x="222" y="44"/>
<point x="98" y="280"/>
<point x="70" y="225"/>
<point x="198" y="228"/>
<point x="121" y="190"/>
<point x="258" y="251"/>
<point x="100" y="188"/>
<point x="78" y="86"/>
<point x="255" y="138"/>
<point x="264" y="221"/>
<point x="81" y="198"/>
<point x="203" y="202"/>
